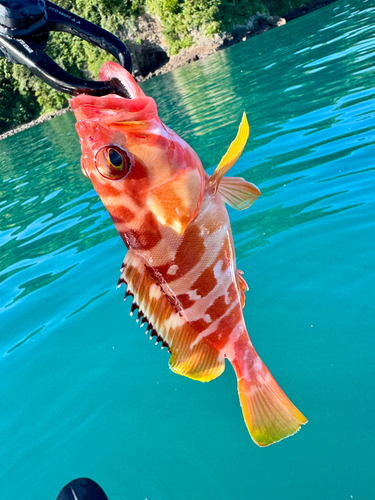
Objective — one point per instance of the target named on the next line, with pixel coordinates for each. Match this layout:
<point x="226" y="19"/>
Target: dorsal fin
<point x="198" y="360"/>
<point x="232" y="155"/>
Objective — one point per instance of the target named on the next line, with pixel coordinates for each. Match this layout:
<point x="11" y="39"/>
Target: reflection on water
<point x="87" y="395"/>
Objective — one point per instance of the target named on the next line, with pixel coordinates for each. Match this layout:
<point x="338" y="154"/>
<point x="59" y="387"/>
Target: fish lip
<point x="124" y="86"/>
<point x="113" y="108"/>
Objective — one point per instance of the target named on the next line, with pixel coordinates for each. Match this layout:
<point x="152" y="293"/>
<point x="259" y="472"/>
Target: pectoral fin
<point x="238" y="193"/>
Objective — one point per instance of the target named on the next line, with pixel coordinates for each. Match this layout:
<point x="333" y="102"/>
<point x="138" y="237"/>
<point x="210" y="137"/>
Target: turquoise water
<point x="83" y="391"/>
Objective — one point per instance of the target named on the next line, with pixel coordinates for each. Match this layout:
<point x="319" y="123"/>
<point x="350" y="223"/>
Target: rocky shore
<point x="150" y="52"/>
<point x="41" y="119"/>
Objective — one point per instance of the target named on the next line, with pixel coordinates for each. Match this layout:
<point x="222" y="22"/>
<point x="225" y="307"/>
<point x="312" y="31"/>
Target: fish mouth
<point x="120" y="89"/>
<point x="128" y="102"/>
<point x="121" y="80"/>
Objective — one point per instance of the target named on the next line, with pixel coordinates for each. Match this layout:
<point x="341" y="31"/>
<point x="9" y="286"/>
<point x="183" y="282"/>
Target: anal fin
<point x="196" y="360"/>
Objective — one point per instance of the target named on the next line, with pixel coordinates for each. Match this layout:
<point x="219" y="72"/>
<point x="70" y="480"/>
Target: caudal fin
<point x="269" y="415"/>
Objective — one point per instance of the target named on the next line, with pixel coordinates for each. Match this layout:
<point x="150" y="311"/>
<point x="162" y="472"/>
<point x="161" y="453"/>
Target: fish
<point x="180" y="267"/>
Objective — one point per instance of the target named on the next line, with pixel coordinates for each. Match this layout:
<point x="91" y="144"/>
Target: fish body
<point x="180" y="267"/>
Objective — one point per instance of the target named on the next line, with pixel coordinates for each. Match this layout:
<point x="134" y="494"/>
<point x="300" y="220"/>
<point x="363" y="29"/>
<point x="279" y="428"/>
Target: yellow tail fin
<point x="269" y="415"/>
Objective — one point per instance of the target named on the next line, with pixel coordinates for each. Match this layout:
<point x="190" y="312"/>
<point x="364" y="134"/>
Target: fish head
<point x="135" y="162"/>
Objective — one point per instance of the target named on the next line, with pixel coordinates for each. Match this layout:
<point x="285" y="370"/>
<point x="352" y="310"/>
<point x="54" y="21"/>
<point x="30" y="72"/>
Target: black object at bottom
<point x="82" y="489"/>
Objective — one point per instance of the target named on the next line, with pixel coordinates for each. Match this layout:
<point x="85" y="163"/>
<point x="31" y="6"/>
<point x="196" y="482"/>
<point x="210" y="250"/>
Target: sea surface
<point x="83" y="392"/>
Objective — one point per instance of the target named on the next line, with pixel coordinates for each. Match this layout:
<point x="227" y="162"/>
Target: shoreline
<point x="41" y="119"/>
<point x="208" y="47"/>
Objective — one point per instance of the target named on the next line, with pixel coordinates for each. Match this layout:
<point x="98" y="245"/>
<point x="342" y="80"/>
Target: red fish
<point x="180" y="267"/>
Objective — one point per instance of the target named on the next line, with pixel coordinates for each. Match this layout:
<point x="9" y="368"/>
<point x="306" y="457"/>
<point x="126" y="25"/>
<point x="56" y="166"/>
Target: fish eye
<point x="115" y="158"/>
<point x="112" y="162"/>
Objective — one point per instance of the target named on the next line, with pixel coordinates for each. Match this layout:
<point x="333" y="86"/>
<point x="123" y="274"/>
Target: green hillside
<point x="23" y="97"/>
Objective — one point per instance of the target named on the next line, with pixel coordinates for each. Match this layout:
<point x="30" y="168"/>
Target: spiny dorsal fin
<point x="196" y="360"/>
<point x="237" y="192"/>
<point x="232" y="155"/>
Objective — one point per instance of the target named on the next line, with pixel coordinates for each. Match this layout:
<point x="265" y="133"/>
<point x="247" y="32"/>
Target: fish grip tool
<point x="24" y="29"/>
